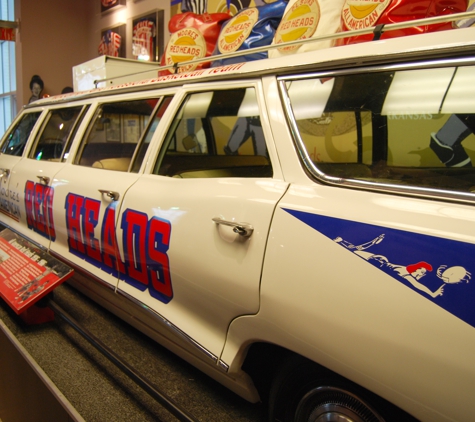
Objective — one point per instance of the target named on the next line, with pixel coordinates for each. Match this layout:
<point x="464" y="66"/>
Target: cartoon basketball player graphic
<point x="436" y="268"/>
<point x="412" y="272"/>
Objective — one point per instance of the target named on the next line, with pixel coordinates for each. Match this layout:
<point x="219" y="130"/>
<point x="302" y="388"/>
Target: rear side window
<point x="216" y="134"/>
<point x="120" y="131"/>
<point x="16" y="140"/>
<point x="57" y="134"/>
<point x="410" y="127"/>
<point x="152" y="126"/>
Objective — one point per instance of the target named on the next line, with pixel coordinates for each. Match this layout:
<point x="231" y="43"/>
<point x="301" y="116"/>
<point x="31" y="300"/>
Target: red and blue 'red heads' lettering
<point x="73" y="207"/>
<point x="134" y="226"/>
<point x="82" y="218"/>
<point x="29" y="203"/>
<point x="145" y="251"/>
<point x="145" y="243"/>
<point x="110" y="251"/>
<point x="39" y="209"/>
<point x="90" y="218"/>
<point x="158" y="242"/>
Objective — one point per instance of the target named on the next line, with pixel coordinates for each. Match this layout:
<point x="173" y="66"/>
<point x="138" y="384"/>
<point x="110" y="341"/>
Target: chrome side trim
<point x="170" y="326"/>
<point x="410" y="64"/>
<point x="82" y="272"/>
<point x="223" y="366"/>
<point x="315" y="172"/>
<point x="156" y="316"/>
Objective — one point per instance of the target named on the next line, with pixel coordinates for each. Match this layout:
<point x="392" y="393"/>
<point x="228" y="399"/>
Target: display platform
<point x="27" y="393"/>
<point x="96" y="390"/>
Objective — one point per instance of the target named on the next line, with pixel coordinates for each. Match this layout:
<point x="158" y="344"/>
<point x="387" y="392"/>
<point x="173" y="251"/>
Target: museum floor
<point x="98" y="390"/>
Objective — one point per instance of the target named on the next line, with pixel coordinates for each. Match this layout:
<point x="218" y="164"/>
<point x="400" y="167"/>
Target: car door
<point x="192" y="232"/>
<point x="31" y="178"/>
<point x="89" y="190"/>
<point x="387" y="270"/>
<point x="11" y="151"/>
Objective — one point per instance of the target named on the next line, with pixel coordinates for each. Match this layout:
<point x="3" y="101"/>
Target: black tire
<point x="303" y="391"/>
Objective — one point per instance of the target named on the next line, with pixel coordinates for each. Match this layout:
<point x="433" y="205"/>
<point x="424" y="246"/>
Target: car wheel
<point x="329" y="403"/>
<point x="303" y="391"/>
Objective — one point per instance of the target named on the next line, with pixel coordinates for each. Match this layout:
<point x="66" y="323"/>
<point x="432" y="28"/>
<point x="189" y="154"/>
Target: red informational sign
<point x="27" y="273"/>
<point x="7" y="34"/>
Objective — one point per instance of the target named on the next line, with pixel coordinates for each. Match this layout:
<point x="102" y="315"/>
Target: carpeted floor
<point x="101" y="392"/>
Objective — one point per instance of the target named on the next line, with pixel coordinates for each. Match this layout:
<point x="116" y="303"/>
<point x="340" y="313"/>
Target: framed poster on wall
<point x="147" y="36"/>
<point x="113" y="42"/>
<point x="107" y="5"/>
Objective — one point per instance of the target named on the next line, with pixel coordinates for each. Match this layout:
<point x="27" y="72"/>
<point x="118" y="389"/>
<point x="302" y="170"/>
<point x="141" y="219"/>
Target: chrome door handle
<point x="110" y="193"/>
<point x="4" y="173"/>
<point x="44" y="179"/>
<point x="242" y="229"/>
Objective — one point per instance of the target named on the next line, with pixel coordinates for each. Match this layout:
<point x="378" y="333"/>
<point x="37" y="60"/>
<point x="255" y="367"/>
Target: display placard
<point x="27" y="273"/>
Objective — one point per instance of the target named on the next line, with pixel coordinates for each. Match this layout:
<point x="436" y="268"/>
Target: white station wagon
<point x="301" y="229"/>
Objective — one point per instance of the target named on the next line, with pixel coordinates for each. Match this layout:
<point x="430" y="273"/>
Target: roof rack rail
<point x="377" y="30"/>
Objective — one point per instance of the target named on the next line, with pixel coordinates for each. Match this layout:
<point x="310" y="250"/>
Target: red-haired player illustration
<point x="412" y="272"/>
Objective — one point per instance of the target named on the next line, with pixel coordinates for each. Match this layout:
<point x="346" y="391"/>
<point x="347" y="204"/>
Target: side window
<point x="16" y="140"/>
<point x="117" y="131"/>
<point x="57" y="134"/>
<point x="410" y="127"/>
<point x="150" y="130"/>
<point x="216" y="134"/>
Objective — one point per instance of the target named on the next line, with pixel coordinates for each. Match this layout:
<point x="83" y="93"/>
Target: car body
<point x="296" y="230"/>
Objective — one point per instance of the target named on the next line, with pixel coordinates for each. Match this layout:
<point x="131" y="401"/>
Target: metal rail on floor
<point x="162" y="398"/>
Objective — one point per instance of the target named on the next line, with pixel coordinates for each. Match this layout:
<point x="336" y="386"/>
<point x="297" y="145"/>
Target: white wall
<point x="56" y="35"/>
<point x="53" y="34"/>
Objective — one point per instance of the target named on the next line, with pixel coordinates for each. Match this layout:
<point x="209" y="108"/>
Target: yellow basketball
<point x="360" y="12"/>
<point x="299" y="11"/>
<point x="294" y="34"/>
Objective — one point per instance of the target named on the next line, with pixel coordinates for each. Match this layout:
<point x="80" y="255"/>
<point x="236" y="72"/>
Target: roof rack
<point x="377" y="31"/>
